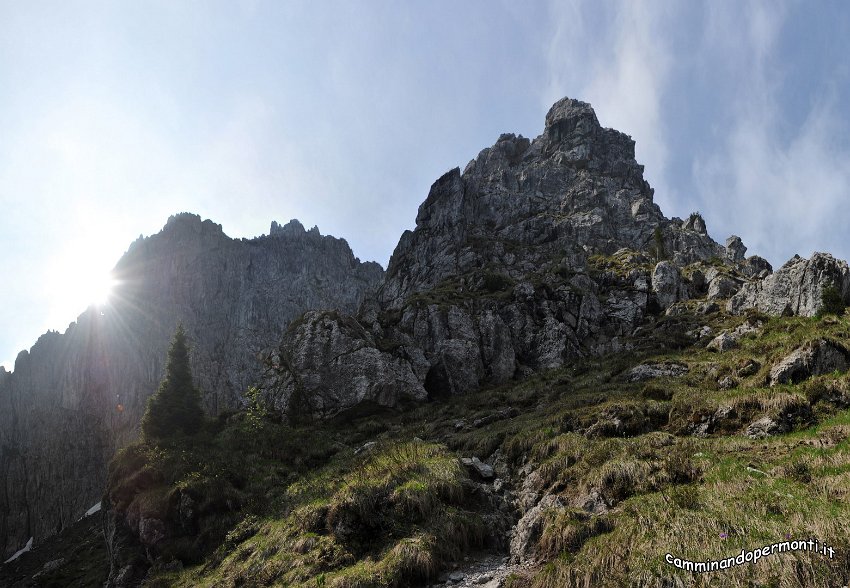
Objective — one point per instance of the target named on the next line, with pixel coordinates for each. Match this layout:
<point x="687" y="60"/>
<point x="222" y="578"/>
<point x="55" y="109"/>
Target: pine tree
<point x="176" y="406"/>
<point x="658" y="239"/>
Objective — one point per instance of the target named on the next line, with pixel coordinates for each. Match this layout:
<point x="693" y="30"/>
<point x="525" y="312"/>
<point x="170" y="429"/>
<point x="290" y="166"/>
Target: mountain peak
<point x="570" y="110"/>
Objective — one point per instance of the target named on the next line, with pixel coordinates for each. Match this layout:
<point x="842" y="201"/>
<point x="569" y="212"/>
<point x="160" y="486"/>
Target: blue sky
<point x="115" y="115"/>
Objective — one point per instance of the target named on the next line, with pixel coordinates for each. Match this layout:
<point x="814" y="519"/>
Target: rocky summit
<point x="543" y="251"/>
<point x="547" y="362"/>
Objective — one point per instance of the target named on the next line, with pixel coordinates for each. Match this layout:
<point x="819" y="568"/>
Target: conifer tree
<point x="176" y="406"/>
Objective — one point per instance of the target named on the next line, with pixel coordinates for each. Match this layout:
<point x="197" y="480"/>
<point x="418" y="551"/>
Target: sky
<point x="115" y="115"/>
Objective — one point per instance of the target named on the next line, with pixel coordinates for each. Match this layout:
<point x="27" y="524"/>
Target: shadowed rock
<point x="796" y="288"/>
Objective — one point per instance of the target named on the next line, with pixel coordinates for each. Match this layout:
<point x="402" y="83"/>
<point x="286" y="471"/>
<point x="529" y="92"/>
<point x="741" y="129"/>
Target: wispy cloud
<point x="620" y="63"/>
<point x="778" y="185"/>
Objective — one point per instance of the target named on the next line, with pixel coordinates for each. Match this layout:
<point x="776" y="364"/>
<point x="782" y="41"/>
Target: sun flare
<point x="79" y="281"/>
<point x="87" y="288"/>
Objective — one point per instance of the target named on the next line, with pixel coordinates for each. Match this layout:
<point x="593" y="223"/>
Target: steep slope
<point x="75" y="397"/>
<point x="584" y="475"/>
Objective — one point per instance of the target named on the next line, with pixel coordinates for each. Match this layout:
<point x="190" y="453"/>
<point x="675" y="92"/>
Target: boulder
<point x="756" y="267"/>
<point x="648" y="371"/>
<point x="727" y="383"/>
<point x="813" y="359"/>
<point x="722" y="287"/>
<point x="723" y="342"/>
<point x="766" y="427"/>
<point x="796" y="288"/>
<point x="474" y="464"/>
<point x="668" y="284"/>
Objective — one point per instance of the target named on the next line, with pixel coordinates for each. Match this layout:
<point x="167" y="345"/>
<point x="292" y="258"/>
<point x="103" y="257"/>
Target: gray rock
<point x="765" y="427"/>
<point x="572" y="192"/>
<point x="735" y="249"/>
<point x="727" y="383"/>
<point x="796" y="288"/>
<point x="648" y="371"/>
<point x="479" y="467"/>
<point x="593" y="502"/>
<point x="667" y="284"/>
<point x="151" y="531"/>
<point x="233" y="296"/>
<point x="530" y="525"/>
<point x="722" y="287"/>
<point x="756" y="267"/>
<point x="813" y="359"/>
<point x="329" y="363"/>
<point x="723" y="342"/>
<point x="709" y="307"/>
<point x="695" y="223"/>
<point x="128" y="563"/>
<point x="724" y="418"/>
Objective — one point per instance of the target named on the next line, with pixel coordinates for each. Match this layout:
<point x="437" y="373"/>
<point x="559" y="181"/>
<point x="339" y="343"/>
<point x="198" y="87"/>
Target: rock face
<point x="813" y="359"/>
<point x="735" y="248"/>
<point x="537" y="253"/>
<point x="668" y="284"/>
<point x="521" y="204"/>
<point x="336" y="366"/>
<point x="75" y="397"/>
<point x="796" y="288"/>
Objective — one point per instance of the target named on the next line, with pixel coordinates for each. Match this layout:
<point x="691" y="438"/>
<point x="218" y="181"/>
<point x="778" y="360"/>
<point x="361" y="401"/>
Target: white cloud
<point x="780" y="188"/>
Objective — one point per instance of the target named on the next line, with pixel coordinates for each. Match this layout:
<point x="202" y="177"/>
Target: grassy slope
<point x="78" y="554"/>
<point x="288" y="506"/>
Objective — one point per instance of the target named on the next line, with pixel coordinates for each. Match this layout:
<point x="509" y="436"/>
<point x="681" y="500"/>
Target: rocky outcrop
<point x="525" y="205"/>
<point x="128" y="562"/>
<point x="722" y="287"/>
<point x="535" y="254"/>
<point x="796" y="288"/>
<point x="73" y="398"/>
<point x="668" y="284"/>
<point x="813" y="359"/>
<point x="335" y="365"/>
<point x="649" y="371"/>
<point x="735" y="248"/>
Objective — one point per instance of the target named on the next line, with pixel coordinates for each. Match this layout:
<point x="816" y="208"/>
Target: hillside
<point x="594" y="475"/>
<point x="552" y="385"/>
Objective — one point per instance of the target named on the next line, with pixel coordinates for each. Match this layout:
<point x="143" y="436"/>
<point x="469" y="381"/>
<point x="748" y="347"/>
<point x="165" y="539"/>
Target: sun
<point x="77" y="281"/>
<point x="99" y="289"/>
<point x="87" y="286"/>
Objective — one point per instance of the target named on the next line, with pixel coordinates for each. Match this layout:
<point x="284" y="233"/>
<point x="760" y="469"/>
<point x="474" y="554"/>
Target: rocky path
<point x="486" y="571"/>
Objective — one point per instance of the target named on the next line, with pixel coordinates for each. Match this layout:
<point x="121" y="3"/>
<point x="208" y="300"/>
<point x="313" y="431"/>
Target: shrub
<point x="831" y="302"/>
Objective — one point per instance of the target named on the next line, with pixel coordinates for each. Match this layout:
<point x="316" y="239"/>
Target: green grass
<point x="282" y="505"/>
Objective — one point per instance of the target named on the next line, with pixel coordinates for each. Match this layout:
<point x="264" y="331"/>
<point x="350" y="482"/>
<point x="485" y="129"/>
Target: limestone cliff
<point x="75" y="397"/>
<point x="539" y="252"/>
